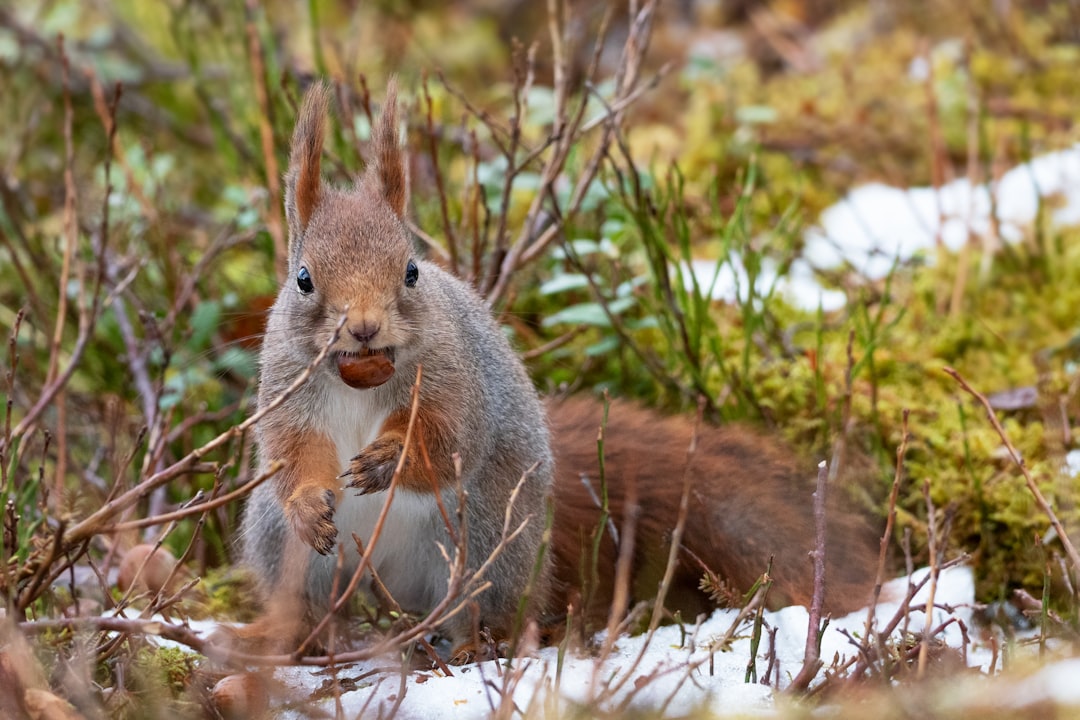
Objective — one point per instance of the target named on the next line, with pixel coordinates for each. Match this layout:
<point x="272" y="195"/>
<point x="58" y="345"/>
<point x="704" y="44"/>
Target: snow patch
<point x="1072" y="463"/>
<point x="676" y="672"/>
<point x="876" y="226"/>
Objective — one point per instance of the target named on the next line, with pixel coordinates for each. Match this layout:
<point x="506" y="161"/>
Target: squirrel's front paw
<point x="373" y="469"/>
<point x="311" y="513"/>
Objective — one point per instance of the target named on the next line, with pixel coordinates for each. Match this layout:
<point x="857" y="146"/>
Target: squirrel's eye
<point x="303" y="281"/>
<point x="411" y="274"/>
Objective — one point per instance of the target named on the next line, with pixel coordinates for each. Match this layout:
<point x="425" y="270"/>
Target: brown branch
<point x="31" y="591"/>
<point x="440" y="187"/>
<point x="863" y="662"/>
<point x="88" y="310"/>
<point x="529" y="244"/>
<point x="71" y="229"/>
<point x="266" y="136"/>
<point x="177" y="633"/>
<point x="13" y="366"/>
<point x="95" y="522"/>
<point x="555" y="344"/>
<point x="932" y="539"/>
<point x="203" y="507"/>
<point x="669" y="569"/>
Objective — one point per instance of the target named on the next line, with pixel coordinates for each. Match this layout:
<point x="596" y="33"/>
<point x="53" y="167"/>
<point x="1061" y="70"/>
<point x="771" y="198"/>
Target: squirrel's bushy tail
<point x="750" y="499"/>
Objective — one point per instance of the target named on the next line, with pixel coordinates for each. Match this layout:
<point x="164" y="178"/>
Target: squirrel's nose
<point x="364" y="331"/>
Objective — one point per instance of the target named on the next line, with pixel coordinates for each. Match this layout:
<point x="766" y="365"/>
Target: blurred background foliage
<point x="755" y="116"/>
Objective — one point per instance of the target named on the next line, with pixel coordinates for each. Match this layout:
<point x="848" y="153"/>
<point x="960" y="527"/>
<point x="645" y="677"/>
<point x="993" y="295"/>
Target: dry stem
<point x="812" y="655"/>
<point x="1040" y="500"/>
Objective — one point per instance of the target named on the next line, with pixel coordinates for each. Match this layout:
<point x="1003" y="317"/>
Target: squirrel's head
<point x="350" y="252"/>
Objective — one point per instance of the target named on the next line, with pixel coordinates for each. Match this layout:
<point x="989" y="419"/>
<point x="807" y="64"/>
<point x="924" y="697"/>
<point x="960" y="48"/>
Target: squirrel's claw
<point x="373" y="469"/>
<point x="312" y="517"/>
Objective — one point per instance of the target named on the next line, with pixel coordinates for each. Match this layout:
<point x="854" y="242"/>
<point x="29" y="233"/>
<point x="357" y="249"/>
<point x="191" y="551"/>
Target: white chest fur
<point x="352" y="419"/>
<point x="405" y="555"/>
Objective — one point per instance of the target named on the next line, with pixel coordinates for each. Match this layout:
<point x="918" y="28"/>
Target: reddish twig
<point x="812" y="655"/>
<point x="1040" y="500"/>
<point x="202" y="507"/>
<point x="886" y="536"/>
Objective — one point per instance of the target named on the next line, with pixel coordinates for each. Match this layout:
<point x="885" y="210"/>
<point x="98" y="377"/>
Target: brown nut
<point x="241" y="696"/>
<point x="365" y="371"/>
<point x="154" y="574"/>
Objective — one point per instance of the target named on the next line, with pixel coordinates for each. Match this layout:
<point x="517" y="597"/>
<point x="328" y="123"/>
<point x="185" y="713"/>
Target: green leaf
<point x="650" y="322"/>
<point x="585" y="246"/>
<point x="618" y="307"/>
<point x="583" y="314"/>
<point x="204" y="321"/>
<point x="541" y="103"/>
<point x="590" y="313"/>
<point x="626" y="289"/>
<point x="527" y="181"/>
<point x="605" y="346"/>
<point x="564" y="282"/>
<point x="756" y="115"/>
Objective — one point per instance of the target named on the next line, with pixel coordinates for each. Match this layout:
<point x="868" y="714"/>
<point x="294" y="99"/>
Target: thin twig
<point x="93" y="524"/>
<point x="365" y="558"/>
<point x="204" y="507"/>
<point x="886" y="536"/>
<point x="1070" y="549"/>
<point x="932" y="533"/>
<point x="672" y="560"/>
<point x="266" y="136"/>
<point x="812" y="655"/>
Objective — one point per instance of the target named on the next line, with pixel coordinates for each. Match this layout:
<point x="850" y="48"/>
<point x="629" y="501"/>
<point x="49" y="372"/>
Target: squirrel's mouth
<point x="366" y="352"/>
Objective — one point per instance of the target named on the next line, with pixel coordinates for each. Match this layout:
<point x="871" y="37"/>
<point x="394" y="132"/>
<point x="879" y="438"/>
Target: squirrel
<point x="479" y="419"/>
<point x="357" y="293"/>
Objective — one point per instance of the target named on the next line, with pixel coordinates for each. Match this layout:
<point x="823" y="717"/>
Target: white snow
<point x="876" y="225"/>
<point x="677" y="672"/>
<point x="1072" y="463"/>
<point x="1055" y="682"/>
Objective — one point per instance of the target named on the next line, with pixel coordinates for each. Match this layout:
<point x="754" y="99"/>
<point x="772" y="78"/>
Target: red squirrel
<point x="357" y="292"/>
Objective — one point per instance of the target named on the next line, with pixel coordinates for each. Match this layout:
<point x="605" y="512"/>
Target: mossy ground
<point x="755" y="130"/>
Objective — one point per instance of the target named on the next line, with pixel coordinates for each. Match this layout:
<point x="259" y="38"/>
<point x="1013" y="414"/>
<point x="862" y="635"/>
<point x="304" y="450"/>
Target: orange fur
<point x="750" y="499"/>
<point x="389" y="161"/>
<point x="429" y="463"/>
<point x="306" y="156"/>
<point x="311" y="466"/>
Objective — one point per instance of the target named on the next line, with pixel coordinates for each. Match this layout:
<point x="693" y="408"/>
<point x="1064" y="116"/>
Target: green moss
<point x="230" y="594"/>
<point x="168" y="668"/>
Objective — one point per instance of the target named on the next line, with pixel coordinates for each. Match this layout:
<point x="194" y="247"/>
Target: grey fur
<point x="356" y="248"/>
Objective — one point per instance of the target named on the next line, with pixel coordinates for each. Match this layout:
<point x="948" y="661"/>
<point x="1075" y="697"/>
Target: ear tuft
<point x="303" y="182"/>
<point x="389" y="159"/>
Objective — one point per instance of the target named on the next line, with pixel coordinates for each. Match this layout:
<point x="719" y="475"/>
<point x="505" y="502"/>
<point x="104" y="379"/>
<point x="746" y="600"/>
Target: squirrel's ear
<point x="303" y="183"/>
<point x="388" y="159"/>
